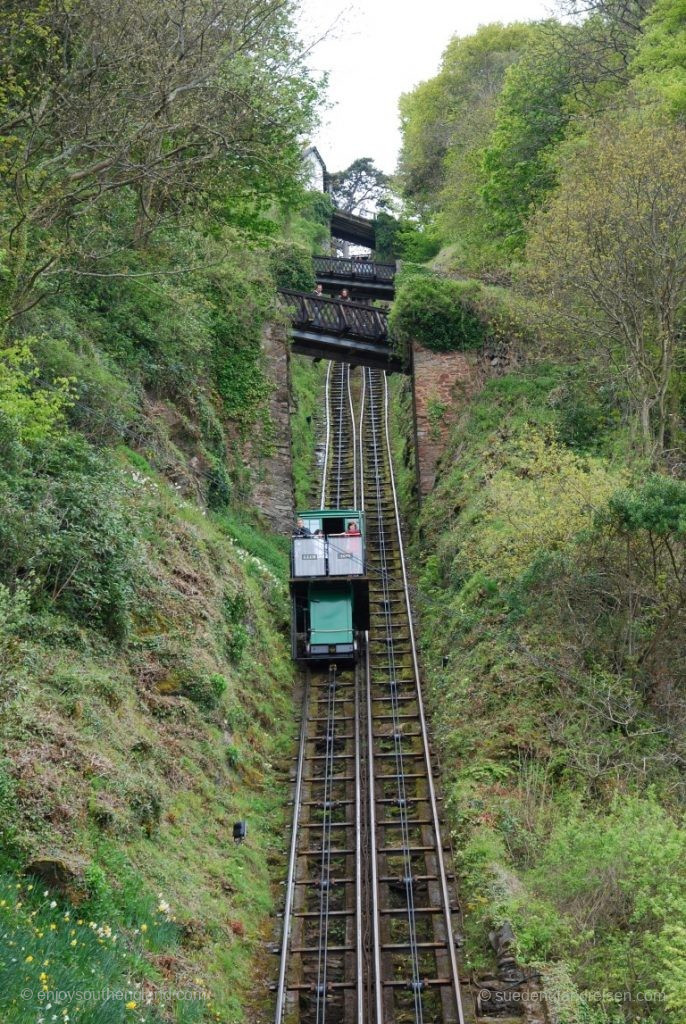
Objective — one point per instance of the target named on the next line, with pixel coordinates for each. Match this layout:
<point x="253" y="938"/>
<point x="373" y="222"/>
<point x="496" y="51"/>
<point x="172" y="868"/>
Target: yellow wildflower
<point x="73" y="942"/>
<point x="29" y="959"/>
<point x="144" y="927"/>
<point x="131" y="1005"/>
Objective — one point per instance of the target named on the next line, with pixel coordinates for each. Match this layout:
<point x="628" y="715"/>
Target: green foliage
<point x="358" y="185"/>
<point x="398" y="238"/>
<point x="661" y="59"/>
<point x="607" y="261"/>
<point x="446" y="120"/>
<point x="600" y="881"/>
<point x="585" y="416"/>
<point x="48" y="947"/>
<point x="227" y="151"/>
<point x="552" y="616"/>
<point x="240" y="309"/>
<point x="66" y="533"/>
<point x="101" y="403"/>
<point x="205" y="690"/>
<point x="659" y="507"/>
<point x="30" y="412"/>
<point x="437" y="313"/>
<point x="306" y="416"/>
<point x="291" y="266"/>
<point x="142" y="605"/>
<point x="530" y="119"/>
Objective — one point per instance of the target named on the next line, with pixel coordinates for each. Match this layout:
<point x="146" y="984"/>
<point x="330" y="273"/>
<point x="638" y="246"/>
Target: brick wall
<point x="273" y="481"/>
<point x="443" y="382"/>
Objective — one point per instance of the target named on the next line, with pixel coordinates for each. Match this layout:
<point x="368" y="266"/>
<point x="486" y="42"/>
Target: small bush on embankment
<point x="291" y="265"/>
<point x="437" y="313"/>
<point x="552" y="623"/>
<point x="448" y="315"/>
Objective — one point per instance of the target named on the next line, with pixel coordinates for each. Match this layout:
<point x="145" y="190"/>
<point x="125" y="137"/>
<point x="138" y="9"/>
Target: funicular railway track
<point x="321" y="968"/>
<point x="368" y="935"/>
<point x="416" y="975"/>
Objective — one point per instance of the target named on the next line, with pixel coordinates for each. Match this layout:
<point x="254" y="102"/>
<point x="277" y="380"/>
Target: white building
<point x="315" y="168"/>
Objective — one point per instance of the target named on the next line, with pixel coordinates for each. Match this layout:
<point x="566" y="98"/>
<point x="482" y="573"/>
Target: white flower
<point x="53" y="904"/>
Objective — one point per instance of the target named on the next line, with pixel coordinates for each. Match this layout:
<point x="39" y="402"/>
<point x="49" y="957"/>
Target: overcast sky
<point x="379" y="49"/>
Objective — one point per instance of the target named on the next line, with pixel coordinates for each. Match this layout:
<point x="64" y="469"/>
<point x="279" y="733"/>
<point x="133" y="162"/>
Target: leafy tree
<point x="32" y="412"/>
<point x="567" y="71"/>
<point x="172" y="105"/>
<point x="608" y="257"/>
<point x="662" y="55"/>
<point x="402" y="238"/>
<point x="447" y="121"/>
<point x="358" y="186"/>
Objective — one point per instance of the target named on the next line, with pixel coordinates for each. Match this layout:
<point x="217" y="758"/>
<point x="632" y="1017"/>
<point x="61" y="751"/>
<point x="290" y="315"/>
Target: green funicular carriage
<point x="329" y="586"/>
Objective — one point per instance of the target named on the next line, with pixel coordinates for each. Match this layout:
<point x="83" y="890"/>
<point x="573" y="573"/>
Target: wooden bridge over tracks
<point x="346" y="329"/>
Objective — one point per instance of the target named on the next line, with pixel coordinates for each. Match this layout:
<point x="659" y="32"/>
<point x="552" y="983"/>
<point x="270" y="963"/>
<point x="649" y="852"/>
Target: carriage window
<point x="334" y="526"/>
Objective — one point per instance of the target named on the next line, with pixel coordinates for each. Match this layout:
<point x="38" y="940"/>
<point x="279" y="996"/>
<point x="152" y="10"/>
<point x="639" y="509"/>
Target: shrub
<point x="437" y="313"/>
<point x="205" y="690"/>
<point x="659" y="507"/>
<point x="537" y="502"/>
<point x="291" y="265"/>
<point x="403" y="239"/>
<point x="65" y="531"/>
<point x="103" y="404"/>
<point x="218" y="484"/>
<point x="35" y="411"/>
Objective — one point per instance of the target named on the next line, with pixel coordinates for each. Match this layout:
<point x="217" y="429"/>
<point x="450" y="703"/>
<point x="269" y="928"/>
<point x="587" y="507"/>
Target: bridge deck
<point x="345" y="331"/>
<point x="350" y="228"/>
<point x="365" y="277"/>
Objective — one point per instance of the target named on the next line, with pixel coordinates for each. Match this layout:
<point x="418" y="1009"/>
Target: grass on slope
<point x="129" y="762"/>
<point x="552" y="624"/>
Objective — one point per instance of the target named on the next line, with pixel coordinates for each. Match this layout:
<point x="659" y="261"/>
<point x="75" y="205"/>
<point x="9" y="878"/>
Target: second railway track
<point x="368" y="934"/>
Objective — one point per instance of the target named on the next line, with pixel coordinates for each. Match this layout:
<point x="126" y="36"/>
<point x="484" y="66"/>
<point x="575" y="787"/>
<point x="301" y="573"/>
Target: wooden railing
<point x="354" y="269"/>
<point x="332" y="316"/>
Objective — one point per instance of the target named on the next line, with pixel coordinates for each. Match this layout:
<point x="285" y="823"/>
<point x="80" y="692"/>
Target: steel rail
<point x="325" y="870"/>
<point x="292" y="861"/>
<point x="353" y="444"/>
<point x="338" y="445"/>
<point x="327" y="440"/>
<point x="359" y="944"/>
<point x="424" y="729"/>
<point x="408" y="879"/>
<point x="336" y="488"/>
<point x="376" y="943"/>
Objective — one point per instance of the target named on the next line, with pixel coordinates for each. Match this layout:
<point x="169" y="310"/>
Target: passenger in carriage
<point x="344" y="295"/>
<point x="301" y="530"/>
<point x="319" y="290"/>
<point x="353" y="530"/>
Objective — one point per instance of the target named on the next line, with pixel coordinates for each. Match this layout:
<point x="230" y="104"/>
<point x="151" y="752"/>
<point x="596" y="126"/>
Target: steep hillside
<point x="149" y="182"/>
<point x="550" y="556"/>
<point x="550" y="580"/>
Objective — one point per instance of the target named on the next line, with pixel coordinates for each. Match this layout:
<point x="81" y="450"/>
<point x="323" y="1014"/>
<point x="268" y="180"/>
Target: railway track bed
<point x="370" y="910"/>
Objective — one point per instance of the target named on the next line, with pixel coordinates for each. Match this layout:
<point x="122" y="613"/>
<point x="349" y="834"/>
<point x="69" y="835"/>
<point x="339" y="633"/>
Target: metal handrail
<point x="350" y="268"/>
<point x="335" y="316"/>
